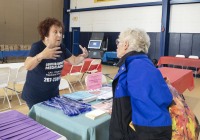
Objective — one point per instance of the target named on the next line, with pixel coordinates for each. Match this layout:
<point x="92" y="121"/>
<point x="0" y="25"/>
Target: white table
<point x="14" y="67"/>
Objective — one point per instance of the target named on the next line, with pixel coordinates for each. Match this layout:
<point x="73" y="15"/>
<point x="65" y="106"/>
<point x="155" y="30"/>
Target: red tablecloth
<point x="181" y="79"/>
<point x="67" y="67"/>
<point x="188" y="62"/>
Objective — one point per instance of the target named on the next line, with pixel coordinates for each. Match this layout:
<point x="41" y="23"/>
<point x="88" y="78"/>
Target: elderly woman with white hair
<point x="141" y="96"/>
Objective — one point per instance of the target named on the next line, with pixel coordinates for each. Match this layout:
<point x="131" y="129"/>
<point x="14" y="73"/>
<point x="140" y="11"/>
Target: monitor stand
<point x="98" y="54"/>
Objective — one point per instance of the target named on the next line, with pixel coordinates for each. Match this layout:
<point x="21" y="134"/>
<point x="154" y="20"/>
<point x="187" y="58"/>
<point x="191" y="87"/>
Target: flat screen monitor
<point x="94" y="44"/>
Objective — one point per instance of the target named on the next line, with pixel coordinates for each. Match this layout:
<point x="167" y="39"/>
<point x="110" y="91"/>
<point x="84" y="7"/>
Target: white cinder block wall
<point x="115" y="20"/>
<point x="183" y="18"/>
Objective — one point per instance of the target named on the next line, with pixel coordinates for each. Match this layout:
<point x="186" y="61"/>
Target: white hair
<point x="137" y="39"/>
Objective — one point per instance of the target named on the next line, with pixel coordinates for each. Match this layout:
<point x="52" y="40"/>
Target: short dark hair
<point x="45" y="25"/>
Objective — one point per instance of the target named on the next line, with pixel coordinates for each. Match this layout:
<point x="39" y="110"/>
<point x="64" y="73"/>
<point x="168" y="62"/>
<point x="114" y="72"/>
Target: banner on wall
<point x="103" y="0"/>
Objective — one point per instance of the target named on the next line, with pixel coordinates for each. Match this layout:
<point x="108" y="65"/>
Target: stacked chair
<point x="4" y="80"/>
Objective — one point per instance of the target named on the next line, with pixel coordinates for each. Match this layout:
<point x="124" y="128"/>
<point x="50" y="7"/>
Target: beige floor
<point x="192" y="97"/>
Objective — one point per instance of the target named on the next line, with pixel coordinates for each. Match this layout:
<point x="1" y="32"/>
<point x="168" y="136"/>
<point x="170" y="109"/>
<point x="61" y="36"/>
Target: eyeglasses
<point x="117" y="41"/>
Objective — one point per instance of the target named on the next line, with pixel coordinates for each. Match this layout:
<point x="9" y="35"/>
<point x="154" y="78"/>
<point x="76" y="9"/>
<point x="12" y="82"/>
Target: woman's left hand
<point x="84" y="50"/>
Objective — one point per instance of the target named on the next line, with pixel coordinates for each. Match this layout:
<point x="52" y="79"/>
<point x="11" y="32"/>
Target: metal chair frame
<point x="64" y="84"/>
<point x="4" y="81"/>
<point x="20" y="79"/>
<point x="77" y="74"/>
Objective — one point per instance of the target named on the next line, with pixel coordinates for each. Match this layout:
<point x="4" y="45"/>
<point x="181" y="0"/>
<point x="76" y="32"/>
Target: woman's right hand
<point x="51" y="53"/>
<point x="47" y="53"/>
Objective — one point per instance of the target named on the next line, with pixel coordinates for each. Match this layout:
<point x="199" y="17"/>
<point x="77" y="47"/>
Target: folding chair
<point x="193" y="56"/>
<point x="4" y="80"/>
<point x="19" y="80"/>
<point x="180" y="56"/>
<point x="94" y="63"/>
<point x="64" y="84"/>
<point x="75" y="71"/>
<point x="196" y="69"/>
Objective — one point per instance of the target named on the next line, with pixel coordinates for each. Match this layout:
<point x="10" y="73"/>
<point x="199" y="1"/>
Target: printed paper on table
<point x="94" y="81"/>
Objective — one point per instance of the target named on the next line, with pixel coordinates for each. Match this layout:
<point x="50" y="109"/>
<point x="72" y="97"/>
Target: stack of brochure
<point x="105" y="96"/>
<point x="95" y="114"/>
<point x="104" y="105"/>
<point x="83" y="96"/>
<point x="103" y="93"/>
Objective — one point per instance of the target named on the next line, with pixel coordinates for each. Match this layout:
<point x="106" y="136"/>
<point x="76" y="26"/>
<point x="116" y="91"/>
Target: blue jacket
<point x="141" y="95"/>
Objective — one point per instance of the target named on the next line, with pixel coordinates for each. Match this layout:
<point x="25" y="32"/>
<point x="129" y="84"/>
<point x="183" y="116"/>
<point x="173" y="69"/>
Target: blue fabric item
<point x="69" y="106"/>
<point x="43" y="81"/>
<point x="109" y="55"/>
<point x="15" y="53"/>
<point x="52" y="103"/>
<point x="1" y="54"/>
<point x="148" y="91"/>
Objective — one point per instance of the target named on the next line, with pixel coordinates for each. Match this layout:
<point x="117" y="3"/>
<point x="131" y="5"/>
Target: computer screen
<point x="94" y="44"/>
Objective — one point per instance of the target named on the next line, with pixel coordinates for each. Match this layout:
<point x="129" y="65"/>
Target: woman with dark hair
<point x="45" y="62"/>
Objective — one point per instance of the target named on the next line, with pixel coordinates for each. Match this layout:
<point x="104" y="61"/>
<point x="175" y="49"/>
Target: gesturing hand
<point x="51" y="53"/>
<point x="84" y="50"/>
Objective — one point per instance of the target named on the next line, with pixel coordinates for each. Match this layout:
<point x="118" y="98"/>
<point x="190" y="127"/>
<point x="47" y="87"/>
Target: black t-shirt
<point x="43" y="81"/>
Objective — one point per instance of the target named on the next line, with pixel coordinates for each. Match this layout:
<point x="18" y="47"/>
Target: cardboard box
<point x="16" y="47"/>
<point x="21" y="47"/>
<point x="11" y="47"/>
<point x="29" y="47"/>
<point x="25" y="47"/>
<point x="6" y="48"/>
<point x="2" y="47"/>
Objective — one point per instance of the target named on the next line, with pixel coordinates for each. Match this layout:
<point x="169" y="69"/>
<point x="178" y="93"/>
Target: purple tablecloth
<point x="14" y="125"/>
